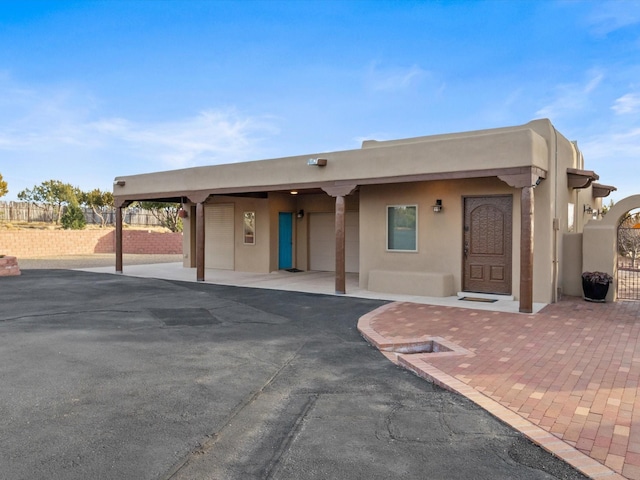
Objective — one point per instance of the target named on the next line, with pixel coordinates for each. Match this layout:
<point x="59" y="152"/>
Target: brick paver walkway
<point x="568" y="377"/>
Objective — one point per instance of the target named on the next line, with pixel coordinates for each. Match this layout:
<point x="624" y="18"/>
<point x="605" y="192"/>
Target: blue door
<point x="285" y="240"/>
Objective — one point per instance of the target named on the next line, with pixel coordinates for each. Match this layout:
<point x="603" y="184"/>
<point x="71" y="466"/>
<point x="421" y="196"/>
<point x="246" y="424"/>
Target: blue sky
<point x="90" y="90"/>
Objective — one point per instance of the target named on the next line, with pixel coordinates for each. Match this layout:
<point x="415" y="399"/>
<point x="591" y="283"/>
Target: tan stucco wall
<point x="247" y="258"/>
<point x="552" y="271"/>
<point x="487" y="149"/>
<point x="315" y="203"/>
<point x="439" y="234"/>
<point x="572" y="264"/>
<point x="600" y="239"/>
<point x="310" y="204"/>
<point x="251" y="258"/>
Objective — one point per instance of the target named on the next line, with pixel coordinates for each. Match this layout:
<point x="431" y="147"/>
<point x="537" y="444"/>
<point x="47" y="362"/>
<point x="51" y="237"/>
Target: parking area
<point x="111" y="377"/>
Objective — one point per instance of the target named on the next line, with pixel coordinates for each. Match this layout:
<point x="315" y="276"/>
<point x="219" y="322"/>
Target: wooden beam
<point x="340" y="190"/>
<point x="529" y="177"/>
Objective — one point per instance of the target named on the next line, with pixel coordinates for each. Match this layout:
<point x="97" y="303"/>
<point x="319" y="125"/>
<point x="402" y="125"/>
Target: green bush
<point x="73" y="218"/>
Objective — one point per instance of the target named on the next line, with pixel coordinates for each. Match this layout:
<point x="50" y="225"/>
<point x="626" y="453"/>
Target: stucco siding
<point x="495" y="149"/>
<point x="440" y="242"/>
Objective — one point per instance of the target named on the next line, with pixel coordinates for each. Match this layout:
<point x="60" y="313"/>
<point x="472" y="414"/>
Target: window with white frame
<point x="249" y="228"/>
<point x="402" y="228"/>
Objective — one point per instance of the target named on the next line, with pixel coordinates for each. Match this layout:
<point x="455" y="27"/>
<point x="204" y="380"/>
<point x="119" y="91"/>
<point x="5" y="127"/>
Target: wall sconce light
<point x="317" y="162"/>
<point x="182" y="213"/>
<point x="587" y="209"/>
<point x="300" y="214"/>
<point x="119" y="183"/>
<point x="437" y="208"/>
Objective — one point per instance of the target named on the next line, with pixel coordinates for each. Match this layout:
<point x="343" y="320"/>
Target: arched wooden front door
<point x="487" y="244"/>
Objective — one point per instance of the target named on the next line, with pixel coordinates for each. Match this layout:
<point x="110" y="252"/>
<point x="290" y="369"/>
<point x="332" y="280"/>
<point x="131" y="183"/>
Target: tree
<point x="54" y="194"/>
<point x="34" y="196"/>
<point x="606" y="208"/>
<point x="166" y="213"/>
<point x="100" y="203"/>
<point x="3" y="187"/>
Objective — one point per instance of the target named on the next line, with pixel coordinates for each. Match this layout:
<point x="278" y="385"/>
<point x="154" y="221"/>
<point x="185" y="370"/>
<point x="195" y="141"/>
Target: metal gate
<point x="629" y="258"/>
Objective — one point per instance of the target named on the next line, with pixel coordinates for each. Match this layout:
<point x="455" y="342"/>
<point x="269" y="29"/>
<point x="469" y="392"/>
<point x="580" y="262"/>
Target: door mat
<point x="478" y="299"/>
<point x="292" y="270"/>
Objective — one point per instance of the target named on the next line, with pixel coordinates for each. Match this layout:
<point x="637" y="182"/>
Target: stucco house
<point x="484" y="211"/>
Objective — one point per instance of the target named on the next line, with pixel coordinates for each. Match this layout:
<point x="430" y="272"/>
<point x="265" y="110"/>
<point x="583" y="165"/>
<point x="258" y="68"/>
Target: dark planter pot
<point x="594" y="292"/>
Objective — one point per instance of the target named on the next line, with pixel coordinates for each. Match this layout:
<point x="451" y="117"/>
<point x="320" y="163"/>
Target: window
<point x="249" y="228"/>
<point x="571" y="215"/>
<point x="402" y="228"/>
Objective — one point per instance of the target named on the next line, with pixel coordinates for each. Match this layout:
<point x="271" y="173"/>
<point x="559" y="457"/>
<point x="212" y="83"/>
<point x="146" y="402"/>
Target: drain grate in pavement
<point x="433" y="347"/>
<point x="429" y="346"/>
<point x="190" y="317"/>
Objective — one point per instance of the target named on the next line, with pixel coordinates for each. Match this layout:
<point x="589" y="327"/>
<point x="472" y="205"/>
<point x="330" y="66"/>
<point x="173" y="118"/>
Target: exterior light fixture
<point x="587" y="209"/>
<point x="119" y="183"/>
<point x="293" y="192"/>
<point x="317" y="162"/>
<point x="300" y="213"/>
<point x="437" y="208"/>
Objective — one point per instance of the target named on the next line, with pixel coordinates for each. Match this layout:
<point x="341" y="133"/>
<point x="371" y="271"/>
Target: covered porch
<point x="306" y="282"/>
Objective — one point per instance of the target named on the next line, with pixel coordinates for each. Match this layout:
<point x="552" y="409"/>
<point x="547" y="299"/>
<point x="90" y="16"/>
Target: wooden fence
<point x="29" y="212"/>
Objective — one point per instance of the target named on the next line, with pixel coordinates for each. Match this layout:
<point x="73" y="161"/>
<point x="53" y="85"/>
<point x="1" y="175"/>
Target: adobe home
<point x="484" y="211"/>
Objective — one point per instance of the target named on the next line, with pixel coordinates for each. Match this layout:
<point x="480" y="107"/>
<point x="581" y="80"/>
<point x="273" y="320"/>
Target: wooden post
<point x="340" y="247"/>
<point x="340" y="191"/>
<point x="200" y="241"/>
<point x="526" y="181"/>
<point x="526" y="249"/>
<point x="119" y="239"/>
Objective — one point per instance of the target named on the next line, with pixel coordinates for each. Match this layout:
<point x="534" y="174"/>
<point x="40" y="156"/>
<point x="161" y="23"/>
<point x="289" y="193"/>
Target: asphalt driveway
<point x="113" y="377"/>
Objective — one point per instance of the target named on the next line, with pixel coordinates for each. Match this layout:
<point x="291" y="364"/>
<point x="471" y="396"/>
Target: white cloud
<point x="613" y="146"/>
<point x="629" y="103"/>
<point x="614" y="156"/>
<point x="62" y="133"/>
<point x="381" y="79"/>
<point x="572" y="97"/>
<point x="207" y="138"/>
<point x="612" y="15"/>
<point x="61" y="120"/>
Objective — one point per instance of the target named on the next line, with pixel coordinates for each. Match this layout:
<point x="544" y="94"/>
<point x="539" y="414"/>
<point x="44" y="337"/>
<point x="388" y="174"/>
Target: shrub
<point x="73" y="218"/>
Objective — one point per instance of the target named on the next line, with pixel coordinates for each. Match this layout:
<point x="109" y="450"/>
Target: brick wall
<point x="141" y="241"/>
<point x="43" y="243"/>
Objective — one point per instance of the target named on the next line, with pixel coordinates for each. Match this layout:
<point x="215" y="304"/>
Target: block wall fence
<point x="44" y="243"/>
